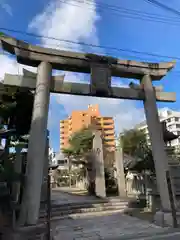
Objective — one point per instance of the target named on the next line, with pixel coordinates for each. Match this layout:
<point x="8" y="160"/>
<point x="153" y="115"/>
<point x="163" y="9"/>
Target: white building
<point x="172" y="119"/>
<point x="51" y="156"/>
<point x="63" y="162"/>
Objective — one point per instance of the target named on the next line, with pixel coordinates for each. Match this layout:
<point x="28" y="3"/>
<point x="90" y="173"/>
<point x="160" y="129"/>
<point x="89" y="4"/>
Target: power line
<point x="87" y="44"/>
<point x="127" y="13"/>
<point x="135" y="57"/>
<point x="163" y="6"/>
<point x="126" y="9"/>
<point x="90" y="45"/>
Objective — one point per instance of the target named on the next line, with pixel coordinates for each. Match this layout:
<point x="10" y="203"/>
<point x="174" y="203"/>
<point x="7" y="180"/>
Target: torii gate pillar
<point x="157" y="143"/>
<point x="37" y="144"/>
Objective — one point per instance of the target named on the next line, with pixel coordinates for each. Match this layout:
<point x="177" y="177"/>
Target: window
<point x="177" y="119"/>
<point x="62" y="162"/>
<point x="178" y="125"/>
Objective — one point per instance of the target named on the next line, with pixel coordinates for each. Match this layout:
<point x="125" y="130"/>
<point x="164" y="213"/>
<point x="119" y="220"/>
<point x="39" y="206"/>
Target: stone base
<point x="165" y="219"/>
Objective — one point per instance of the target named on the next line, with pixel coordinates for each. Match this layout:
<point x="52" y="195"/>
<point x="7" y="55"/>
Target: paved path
<point x="63" y="195"/>
<point x="108" y="226"/>
<point x="112" y="226"/>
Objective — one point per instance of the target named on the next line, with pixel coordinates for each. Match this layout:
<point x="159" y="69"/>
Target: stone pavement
<point x="64" y="195"/>
<point x="104" y="225"/>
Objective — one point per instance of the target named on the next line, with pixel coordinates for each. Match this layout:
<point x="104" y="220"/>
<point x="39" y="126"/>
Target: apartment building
<point x="90" y="117"/>
<point x="172" y="119"/>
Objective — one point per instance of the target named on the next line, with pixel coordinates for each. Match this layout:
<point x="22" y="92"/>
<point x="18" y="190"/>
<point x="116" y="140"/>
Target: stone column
<point x="156" y="136"/>
<point x="100" y="187"/>
<point x="45" y="173"/>
<point x="17" y="169"/>
<point x="37" y="145"/>
<point x="120" y="172"/>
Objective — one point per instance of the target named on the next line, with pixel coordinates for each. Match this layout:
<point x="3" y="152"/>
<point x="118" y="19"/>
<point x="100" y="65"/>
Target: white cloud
<point x="67" y="20"/>
<point x="78" y="23"/>
<point x="6" y="7"/>
<point x="10" y="65"/>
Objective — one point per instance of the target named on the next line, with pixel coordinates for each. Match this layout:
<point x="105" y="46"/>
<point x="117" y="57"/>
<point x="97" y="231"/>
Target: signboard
<point x="100" y="83"/>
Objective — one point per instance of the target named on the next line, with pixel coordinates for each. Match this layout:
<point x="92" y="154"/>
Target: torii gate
<point x="101" y="69"/>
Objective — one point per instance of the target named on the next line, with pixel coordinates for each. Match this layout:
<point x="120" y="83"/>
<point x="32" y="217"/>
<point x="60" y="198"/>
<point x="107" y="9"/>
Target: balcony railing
<point x="109" y="132"/>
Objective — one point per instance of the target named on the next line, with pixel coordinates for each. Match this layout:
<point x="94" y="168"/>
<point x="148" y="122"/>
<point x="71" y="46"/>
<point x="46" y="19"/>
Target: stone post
<point x="156" y="136"/>
<point x="45" y="173"/>
<point x="36" y="147"/>
<point x="100" y="187"/>
<point x="120" y="172"/>
<point x="17" y="169"/>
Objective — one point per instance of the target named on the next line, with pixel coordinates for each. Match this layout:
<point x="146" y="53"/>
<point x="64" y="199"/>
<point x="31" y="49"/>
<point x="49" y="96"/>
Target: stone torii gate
<point x="101" y="69"/>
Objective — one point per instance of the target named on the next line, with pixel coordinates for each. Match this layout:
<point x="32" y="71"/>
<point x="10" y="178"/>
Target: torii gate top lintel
<point x="101" y="69"/>
<point x="32" y="55"/>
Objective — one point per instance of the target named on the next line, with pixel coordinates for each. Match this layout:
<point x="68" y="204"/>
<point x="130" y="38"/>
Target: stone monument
<point x="100" y="187"/>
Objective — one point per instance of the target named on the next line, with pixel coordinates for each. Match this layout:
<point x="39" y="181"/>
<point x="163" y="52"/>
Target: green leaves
<point x="131" y="139"/>
<point x="134" y="143"/>
<point x="15" y="104"/>
<point x="80" y="143"/>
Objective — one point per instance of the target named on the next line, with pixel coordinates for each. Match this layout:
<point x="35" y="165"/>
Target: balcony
<point x="107" y="120"/>
<point x="108" y="128"/>
<point x="109" y="142"/>
<point x="108" y="124"/>
<point x="109" y="138"/>
<point x="109" y="132"/>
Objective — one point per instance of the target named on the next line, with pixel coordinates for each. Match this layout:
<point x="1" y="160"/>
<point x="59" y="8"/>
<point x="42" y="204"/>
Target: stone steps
<point x="78" y="208"/>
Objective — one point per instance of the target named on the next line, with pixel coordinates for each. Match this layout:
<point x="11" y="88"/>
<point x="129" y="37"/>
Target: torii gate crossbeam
<point x="101" y="68"/>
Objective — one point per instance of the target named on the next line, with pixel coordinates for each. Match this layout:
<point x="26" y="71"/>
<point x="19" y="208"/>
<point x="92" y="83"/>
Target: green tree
<point x="80" y="145"/>
<point x="134" y="143"/>
<point x="15" y="114"/>
<point x="131" y="139"/>
<point x="81" y="141"/>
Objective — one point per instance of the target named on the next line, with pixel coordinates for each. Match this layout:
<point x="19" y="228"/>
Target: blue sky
<point x="98" y="24"/>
